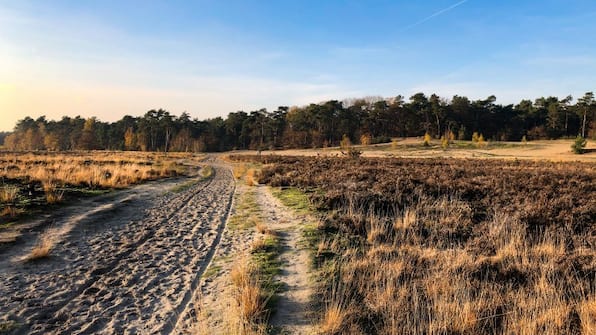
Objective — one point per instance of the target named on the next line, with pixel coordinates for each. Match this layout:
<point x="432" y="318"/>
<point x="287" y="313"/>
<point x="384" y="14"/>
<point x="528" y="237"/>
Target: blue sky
<point x="111" y="58"/>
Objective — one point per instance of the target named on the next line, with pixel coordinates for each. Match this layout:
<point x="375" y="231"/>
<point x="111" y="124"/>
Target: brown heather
<point x="441" y="246"/>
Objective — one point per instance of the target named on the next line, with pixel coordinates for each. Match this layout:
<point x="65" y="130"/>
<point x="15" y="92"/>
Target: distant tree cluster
<point x="3" y="135"/>
<point x="366" y="121"/>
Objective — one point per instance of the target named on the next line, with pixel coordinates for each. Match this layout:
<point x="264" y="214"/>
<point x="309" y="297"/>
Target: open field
<point x="553" y="150"/>
<point x="450" y="247"/>
<point x="30" y="181"/>
<point x="334" y="245"/>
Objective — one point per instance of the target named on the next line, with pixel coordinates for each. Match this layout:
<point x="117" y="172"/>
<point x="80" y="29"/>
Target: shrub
<point x="579" y="145"/>
<point x="475" y="137"/>
<point x="426" y="140"/>
<point x="345" y="142"/>
<point x="481" y="141"/>
<point x="365" y="139"/>
<point x="53" y="195"/>
<point x="394" y="144"/>
<point x="354" y="153"/>
<point x="444" y="142"/>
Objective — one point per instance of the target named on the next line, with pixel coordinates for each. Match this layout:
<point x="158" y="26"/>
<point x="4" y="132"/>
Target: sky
<point x="212" y="57"/>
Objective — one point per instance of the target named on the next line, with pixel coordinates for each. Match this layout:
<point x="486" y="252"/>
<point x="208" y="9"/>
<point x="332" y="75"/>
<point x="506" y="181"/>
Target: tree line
<point x="367" y="120"/>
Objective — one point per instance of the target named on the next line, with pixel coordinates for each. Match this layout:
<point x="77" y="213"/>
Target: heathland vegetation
<point x="366" y="121"/>
<point x="34" y="180"/>
<point x="433" y="246"/>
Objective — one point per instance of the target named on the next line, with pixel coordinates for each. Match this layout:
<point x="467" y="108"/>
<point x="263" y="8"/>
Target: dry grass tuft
<point x="251" y="177"/>
<point x="333" y="320"/>
<point x="261" y="228"/>
<point x="43" y="247"/>
<point x="258" y="244"/>
<point x="239" y="170"/>
<point x="251" y="299"/>
<point x="587" y="315"/>
<point x="11" y="211"/>
<point x="53" y="194"/>
<point x="8" y="194"/>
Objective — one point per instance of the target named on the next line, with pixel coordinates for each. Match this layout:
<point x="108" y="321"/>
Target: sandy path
<point x="293" y="314"/>
<point x="293" y="311"/>
<point x="131" y="267"/>
<point x="211" y="310"/>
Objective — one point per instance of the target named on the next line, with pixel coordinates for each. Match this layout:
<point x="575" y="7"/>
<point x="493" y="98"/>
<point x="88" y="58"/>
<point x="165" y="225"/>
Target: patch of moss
<point x="293" y="198"/>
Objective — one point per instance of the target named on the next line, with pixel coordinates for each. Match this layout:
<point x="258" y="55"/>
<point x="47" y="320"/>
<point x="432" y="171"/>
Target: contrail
<point x="435" y="15"/>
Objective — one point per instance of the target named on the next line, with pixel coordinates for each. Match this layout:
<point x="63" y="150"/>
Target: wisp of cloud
<point x="435" y="15"/>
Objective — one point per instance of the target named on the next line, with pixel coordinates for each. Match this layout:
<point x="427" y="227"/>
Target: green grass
<point x="212" y="271"/>
<point x="265" y="256"/>
<point x="266" y="260"/>
<point x="184" y="186"/>
<point x="293" y="198"/>
<point x="311" y="236"/>
<point x="206" y="172"/>
<point x="298" y="201"/>
<point x="247" y="212"/>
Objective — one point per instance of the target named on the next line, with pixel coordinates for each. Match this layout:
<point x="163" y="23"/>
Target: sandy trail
<point x="127" y="265"/>
<point x="211" y="310"/>
<point x="293" y="311"/>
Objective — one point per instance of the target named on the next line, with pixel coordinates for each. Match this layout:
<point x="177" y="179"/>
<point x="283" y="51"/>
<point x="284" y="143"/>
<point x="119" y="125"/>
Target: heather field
<point x="437" y="246"/>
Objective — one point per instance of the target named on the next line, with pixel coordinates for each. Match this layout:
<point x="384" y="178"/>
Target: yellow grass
<point x="251" y="177"/>
<point x="250" y="310"/>
<point x="43" y="247"/>
<point x="333" y="319"/>
<point x="262" y="228"/>
<point x="96" y="169"/>
<point x="421" y="288"/>
<point x="53" y="195"/>
<point x="8" y="193"/>
<point x="336" y="314"/>
<point x="587" y="314"/>
<point x="239" y="170"/>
